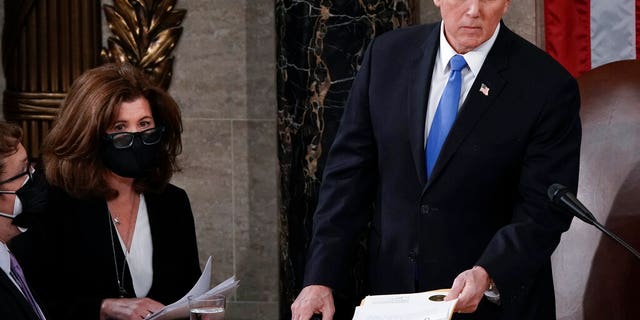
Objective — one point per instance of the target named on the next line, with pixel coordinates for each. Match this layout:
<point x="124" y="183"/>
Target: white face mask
<point x="17" y="208"/>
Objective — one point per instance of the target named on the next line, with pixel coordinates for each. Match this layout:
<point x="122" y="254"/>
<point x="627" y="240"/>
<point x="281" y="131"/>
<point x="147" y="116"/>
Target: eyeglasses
<point x="123" y="140"/>
<point x="28" y="173"/>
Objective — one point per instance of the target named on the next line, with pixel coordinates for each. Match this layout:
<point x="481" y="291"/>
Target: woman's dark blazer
<point x="68" y="254"/>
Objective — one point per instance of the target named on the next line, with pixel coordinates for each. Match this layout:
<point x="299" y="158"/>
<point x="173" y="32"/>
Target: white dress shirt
<point x="140" y="255"/>
<point x="475" y="58"/>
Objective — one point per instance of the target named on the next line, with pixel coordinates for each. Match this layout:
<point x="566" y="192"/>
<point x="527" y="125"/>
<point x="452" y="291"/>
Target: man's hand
<point x="469" y="287"/>
<point x="311" y="300"/>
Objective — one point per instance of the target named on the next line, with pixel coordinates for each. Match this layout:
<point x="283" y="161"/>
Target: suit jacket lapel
<point x="19" y="297"/>
<point x="476" y="103"/>
<point x="421" y="68"/>
<point x="107" y="240"/>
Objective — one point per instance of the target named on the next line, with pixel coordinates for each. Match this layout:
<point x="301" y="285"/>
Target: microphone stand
<point x="560" y="195"/>
<point x="616" y="238"/>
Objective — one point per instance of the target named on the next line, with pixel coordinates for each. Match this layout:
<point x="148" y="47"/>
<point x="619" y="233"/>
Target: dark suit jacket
<point x="68" y="255"/>
<point x="485" y="203"/>
<point x="13" y="304"/>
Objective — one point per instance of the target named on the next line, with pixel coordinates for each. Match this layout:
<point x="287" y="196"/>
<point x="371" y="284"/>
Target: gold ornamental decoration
<point x="145" y="32"/>
<point x="45" y="46"/>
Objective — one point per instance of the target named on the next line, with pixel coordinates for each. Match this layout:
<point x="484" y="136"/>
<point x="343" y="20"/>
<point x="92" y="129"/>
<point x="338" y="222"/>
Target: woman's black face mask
<point x="135" y="158"/>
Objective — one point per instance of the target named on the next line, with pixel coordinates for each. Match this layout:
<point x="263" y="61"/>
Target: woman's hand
<point x="128" y="308"/>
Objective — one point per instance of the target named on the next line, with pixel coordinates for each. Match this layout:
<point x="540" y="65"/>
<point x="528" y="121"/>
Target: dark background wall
<point x="319" y="50"/>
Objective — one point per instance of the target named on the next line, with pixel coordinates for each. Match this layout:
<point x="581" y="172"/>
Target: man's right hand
<point x="313" y="299"/>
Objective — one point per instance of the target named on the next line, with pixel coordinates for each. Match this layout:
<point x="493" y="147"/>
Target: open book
<point x="412" y="306"/>
<point x="180" y="308"/>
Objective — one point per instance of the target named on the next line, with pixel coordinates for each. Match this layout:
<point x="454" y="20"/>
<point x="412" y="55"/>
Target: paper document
<point x="413" y="306"/>
<point x="180" y="308"/>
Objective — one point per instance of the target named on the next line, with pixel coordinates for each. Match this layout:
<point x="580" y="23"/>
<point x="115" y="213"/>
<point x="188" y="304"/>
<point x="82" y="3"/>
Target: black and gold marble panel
<point x="319" y="49"/>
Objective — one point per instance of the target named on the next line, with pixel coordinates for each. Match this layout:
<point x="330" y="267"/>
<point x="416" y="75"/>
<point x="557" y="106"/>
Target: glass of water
<point x="207" y="308"/>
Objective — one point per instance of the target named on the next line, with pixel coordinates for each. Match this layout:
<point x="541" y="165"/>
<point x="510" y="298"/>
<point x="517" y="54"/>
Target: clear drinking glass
<point x="207" y="308"/>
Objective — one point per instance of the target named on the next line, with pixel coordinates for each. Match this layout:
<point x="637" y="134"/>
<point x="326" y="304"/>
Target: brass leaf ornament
<point x="145" y="32"/>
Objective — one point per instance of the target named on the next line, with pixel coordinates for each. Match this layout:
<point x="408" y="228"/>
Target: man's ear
<point x="437" y="3"/>
<point x="506" y="6"/>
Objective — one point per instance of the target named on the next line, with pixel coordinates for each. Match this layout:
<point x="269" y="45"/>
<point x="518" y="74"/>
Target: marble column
<point x="320" y="46"/>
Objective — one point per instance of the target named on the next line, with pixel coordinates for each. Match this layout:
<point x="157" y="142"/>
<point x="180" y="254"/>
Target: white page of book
<point x="180" y="308"/>
<point x="413" y="306"/>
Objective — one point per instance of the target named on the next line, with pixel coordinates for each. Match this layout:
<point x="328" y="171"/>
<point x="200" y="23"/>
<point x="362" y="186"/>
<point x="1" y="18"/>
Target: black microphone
<point x="561" y="196"/>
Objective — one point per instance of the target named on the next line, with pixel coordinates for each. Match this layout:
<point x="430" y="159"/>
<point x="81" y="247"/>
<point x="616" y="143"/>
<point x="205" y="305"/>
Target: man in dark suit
<point x="16" y="299"/>
<point x="473" y="214"/>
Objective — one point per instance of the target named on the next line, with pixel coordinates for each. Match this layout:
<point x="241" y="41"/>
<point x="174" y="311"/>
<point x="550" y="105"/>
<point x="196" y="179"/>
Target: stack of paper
<point x="180" y="308"/>
<point x="413" y="306"/>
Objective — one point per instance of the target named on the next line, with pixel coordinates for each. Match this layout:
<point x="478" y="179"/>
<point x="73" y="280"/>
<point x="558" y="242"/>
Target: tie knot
<point x="457" y="62"/>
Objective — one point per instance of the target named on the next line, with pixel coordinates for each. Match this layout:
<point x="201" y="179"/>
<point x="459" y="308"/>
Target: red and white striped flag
<point x="584" y="34"/>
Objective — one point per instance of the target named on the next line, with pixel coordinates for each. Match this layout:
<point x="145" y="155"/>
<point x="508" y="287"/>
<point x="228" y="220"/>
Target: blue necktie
<point x="445" y="113"/>
<point x="18" y="276"/>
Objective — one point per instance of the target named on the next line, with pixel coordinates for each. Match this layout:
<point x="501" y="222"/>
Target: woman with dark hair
<point x="118" y="240"/>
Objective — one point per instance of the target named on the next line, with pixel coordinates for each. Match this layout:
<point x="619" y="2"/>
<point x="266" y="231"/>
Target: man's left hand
<point x="469" y="288"/>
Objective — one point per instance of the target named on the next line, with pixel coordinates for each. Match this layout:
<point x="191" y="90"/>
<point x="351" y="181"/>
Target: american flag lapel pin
<point x="484" y="89"/>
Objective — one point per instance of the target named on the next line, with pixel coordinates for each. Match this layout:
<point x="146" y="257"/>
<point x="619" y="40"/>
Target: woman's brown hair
<point x="10" y="137"/>
<point x="72" y="150"/>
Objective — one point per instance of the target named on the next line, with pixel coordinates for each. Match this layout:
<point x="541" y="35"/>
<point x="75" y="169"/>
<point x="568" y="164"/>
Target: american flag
<point x="584" y="34"/>
<point x="484" y="89"/>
